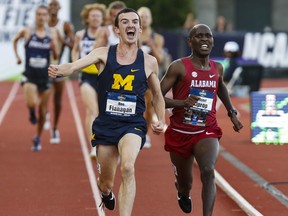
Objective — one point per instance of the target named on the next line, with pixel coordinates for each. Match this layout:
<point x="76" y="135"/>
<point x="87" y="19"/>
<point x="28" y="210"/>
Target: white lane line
<point x="9" y="100"/>
<point x="254" y="177"/>
<point x="83" y="144"/>
<point x="230" y="191"/>
<point x="234" y="195"/>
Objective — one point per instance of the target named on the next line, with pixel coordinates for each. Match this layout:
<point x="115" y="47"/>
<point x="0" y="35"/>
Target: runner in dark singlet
<point x="120" y="128"/>
<point x="40" y="43"/>
<point x="93" y="17"/>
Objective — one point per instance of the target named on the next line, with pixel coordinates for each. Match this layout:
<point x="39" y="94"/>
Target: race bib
<point x="38" y="62"/>
<point x="196" y="114"/>
<point x="121" y="104"/>
<point x="205" y="102"/>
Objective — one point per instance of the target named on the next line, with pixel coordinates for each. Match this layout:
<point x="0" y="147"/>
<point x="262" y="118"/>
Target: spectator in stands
<point x="231" y="53"/>
<point x="190" y="21"/>
<point x="222" y="25"/>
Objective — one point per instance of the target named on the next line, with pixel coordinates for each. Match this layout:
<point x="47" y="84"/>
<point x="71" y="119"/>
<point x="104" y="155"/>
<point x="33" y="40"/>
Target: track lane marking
<point x="9" y="100"/>
<point x="84" y="148"/>
<point x="259" y="180"/>
<point x="234" y="195"/>
<point x="229" y="190"/>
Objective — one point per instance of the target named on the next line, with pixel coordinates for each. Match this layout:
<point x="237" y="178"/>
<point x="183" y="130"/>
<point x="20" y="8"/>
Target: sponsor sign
<point x="14" y="14"/>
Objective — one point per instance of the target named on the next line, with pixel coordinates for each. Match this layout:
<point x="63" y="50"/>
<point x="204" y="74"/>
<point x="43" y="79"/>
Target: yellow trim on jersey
<point x="91" y="69"/>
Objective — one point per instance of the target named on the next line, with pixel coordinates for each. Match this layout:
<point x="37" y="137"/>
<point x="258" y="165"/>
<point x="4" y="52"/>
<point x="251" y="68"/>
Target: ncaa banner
<point x="268" y="49"/>
<point x="14" y="14"/>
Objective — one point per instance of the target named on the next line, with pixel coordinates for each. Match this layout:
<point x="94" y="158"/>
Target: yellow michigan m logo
<point x="120" y="82"/>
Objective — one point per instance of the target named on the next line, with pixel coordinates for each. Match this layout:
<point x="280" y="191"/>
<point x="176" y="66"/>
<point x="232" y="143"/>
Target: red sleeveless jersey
<point x="206" y="80"/>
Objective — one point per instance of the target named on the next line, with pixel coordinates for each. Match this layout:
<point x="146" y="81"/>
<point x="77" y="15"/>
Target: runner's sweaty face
<point x="95" y="18"/>
<point x="129" y="27"/>
<point x="53" y="7"/>
<point x="201" y="40"/>
<point x="41" y="16"/>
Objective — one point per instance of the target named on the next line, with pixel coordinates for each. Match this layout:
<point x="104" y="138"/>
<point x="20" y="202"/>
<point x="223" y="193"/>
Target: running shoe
<point x="176" y="184"/>
<point x="36" y="144"/>
<point x="108" y="201"/>
<point x="148" y="142"/>
<point x="184" y="203"/>
<point x="55" y="137"/>
<point x="33" y="118"/>
<point x="93" y="153"/>
<point x="47" y="121"/>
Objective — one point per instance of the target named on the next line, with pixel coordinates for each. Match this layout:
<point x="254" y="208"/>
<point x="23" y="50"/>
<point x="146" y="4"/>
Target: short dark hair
<point x="193" y="29"/>
<point x="42" y="7"/>
<point x="116" y="5"/>
<point x="125" y="10"/>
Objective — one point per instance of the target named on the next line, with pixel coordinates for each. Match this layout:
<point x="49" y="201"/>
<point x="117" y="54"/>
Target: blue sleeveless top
<point x="121" y="88"/>
<point x="37" y="51"/>
<point x="86" y="46"/>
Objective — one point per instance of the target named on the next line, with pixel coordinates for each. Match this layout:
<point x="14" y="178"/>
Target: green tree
<point x="166" y="14"/>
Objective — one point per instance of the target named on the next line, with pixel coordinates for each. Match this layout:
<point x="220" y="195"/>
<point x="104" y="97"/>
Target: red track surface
<point x="55" y="181"/>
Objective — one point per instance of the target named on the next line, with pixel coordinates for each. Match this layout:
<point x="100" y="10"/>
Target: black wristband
<point x="231" y="112"/>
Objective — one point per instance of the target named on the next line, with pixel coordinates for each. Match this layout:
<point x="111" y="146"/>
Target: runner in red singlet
<point x="193" y="133"/>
